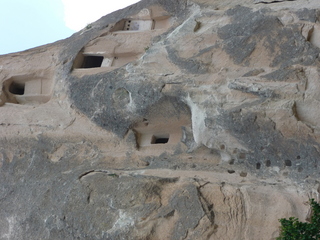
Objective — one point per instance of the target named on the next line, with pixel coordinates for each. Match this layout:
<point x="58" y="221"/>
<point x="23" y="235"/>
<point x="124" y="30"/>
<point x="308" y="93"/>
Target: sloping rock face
<point x="165" y="120"/>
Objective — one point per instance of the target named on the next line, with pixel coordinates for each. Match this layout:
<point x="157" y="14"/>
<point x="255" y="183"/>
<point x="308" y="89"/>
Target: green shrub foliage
<point x="293" y="229"/>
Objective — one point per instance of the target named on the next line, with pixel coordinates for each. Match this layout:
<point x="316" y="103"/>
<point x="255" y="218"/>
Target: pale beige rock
<point x="167" y="120"/>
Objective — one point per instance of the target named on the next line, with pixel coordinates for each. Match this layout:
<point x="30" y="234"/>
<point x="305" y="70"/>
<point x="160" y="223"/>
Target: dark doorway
<point x="92" y="61"/>
<point x="161" y="139"/>
<point x="17" y="88"/>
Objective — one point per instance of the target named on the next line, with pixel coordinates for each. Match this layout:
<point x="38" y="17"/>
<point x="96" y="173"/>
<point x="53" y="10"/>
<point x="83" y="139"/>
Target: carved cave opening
<point x="160" y="139"/>
<point x="92" y="61"/>
<point x="161" y="127"/>
<point x="110" y="51"/>
<point x="84" y="61"/>
<point x="17" y="88"/>
<point x="27" y="89"/>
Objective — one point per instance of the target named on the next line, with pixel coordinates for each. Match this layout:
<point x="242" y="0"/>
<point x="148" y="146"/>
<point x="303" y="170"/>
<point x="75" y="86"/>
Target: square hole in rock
<point x="17" y="88"/>
<point x="160" y="139"/>
<point x="92" y="61"/>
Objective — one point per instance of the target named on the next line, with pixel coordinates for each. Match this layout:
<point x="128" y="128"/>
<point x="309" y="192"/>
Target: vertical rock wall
<point x="165" y="120"/>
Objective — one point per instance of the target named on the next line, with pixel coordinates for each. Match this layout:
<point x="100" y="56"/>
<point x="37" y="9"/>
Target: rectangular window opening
<point x="92" y="61"/>
<point x="160" y="139"/>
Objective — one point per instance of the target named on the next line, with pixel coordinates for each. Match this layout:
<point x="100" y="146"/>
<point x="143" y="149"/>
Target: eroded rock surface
<point x="165" y="120"/>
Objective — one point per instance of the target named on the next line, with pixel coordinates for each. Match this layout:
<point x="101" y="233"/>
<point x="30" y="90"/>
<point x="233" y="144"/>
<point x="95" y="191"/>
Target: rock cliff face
<point x="165" y="120"/>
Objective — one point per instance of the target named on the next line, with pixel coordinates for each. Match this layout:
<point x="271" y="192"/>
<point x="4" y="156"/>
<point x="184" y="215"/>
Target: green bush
<point x="293" y="229"/>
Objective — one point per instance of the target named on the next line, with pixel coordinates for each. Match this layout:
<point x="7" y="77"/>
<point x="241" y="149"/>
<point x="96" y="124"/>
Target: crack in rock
<point x="206" y="207"/>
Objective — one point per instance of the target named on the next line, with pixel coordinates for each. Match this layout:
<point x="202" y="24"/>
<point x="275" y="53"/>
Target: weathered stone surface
<point x="165" y="120"/>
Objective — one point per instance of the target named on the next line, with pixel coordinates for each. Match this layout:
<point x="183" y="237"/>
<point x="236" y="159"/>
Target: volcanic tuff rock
<point x="165" y="120"/>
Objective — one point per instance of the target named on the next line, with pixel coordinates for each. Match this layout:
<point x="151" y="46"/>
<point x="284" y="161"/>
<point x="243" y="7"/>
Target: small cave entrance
<point x="160" y="139"/>
<point x="27" y="89"/>
<point x="161" y="128"/>
<point x="110" y="50"/>
<point x="92" y="61"/>
<point x="17" y="88"/>
<point x="85" y="62"/>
